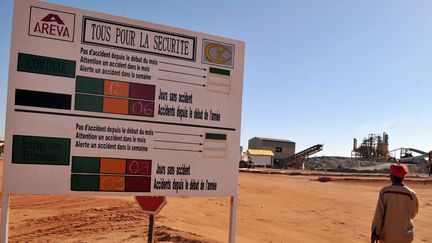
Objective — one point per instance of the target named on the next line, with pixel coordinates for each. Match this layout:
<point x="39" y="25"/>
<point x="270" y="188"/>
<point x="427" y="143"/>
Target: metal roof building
<point x="282" y="148"/>
<point x="260" y="157"/>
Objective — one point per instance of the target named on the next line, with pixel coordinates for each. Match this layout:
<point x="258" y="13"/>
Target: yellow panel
<point x="259" y="152"/>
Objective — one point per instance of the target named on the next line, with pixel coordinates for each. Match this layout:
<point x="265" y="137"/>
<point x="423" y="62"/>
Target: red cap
<point x="399" y="170"/>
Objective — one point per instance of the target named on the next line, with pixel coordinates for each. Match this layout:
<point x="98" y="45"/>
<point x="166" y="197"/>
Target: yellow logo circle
<point x="221" y="54"/>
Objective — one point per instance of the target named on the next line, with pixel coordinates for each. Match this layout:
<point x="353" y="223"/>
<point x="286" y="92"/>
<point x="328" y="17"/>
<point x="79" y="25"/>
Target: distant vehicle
<point x="246" y="164"/>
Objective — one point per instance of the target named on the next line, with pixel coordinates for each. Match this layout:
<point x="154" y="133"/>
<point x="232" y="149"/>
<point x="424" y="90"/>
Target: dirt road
<point x="272" y="208"/>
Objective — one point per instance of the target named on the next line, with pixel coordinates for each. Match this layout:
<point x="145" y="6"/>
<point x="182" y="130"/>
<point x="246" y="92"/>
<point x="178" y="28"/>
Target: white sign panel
<point x="106" y="105"/>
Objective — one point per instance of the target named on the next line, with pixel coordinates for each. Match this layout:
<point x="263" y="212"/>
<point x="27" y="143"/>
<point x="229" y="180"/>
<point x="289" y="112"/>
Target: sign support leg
<point x="233" y="219"/>
<point x="151" y="228"/>
<point x="4" y="218"/>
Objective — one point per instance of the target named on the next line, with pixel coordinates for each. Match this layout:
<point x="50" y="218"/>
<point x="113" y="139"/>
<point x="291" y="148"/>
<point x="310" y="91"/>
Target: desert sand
<point x="271" y="208"/>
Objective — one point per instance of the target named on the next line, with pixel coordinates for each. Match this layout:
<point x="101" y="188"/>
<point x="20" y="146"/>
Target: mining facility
<point x="371" y="155"/>
<point x="376" y="147"/>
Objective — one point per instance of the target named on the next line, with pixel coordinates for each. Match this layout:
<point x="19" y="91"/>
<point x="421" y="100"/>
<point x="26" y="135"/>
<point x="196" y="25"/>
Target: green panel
<point x="89" y="85"/>
<point x="88" y="103"/>
<point x="84" y="183"/>
<point x="46" y="65"/>
<point x="40" y="150"/>
<point x="220" y="71"/>
<point x="85" y="165"/>
<point x="215" y="136"/>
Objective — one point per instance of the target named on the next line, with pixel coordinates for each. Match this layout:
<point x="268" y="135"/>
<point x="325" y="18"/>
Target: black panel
<point x="43" y="99"/>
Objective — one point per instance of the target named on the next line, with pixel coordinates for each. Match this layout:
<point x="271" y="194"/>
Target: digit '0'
<point x="112" y="183"/>
<point x="134" y="167"/>
<point x="114" y="88"/>
<point x="138" y="108"/>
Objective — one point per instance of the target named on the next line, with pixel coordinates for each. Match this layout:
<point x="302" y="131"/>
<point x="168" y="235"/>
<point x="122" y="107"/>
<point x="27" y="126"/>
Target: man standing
<point x="397" y="205"/>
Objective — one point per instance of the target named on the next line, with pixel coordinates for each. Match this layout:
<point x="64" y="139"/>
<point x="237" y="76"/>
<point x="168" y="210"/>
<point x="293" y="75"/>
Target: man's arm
<point x="378" y="219"/>
<point x="415" y="205"/>
<point x="374" y="236"/>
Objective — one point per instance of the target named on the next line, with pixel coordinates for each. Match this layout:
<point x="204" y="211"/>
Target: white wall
<point x="262" y="160"/>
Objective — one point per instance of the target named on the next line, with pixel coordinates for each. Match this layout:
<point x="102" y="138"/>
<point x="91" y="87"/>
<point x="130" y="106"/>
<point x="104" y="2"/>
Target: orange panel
<point x="112" y="183"/>
<point x="112" y="166"/>
<point x="117" y="106"/>
<point x="115" y="88"/>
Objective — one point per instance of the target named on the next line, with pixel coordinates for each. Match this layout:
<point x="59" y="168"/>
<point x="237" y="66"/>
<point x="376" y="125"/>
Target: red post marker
<point x="151" y="205"/>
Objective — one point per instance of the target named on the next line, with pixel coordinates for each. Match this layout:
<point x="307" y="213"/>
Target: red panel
<point x="151" y="205"/>
<point x="142" y="91"/>
<point x="138" y="167"/>
<point x="138" y="184"/>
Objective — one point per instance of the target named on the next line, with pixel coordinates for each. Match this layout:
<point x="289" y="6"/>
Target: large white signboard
<point x="106" y="105"/>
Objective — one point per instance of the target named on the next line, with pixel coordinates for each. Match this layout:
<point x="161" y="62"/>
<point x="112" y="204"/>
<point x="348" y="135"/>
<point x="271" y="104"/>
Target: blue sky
<point x="316" y="71"/>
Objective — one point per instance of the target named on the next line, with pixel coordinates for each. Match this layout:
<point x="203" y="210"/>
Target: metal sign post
<point x="233" y="219"/>
<point x="151" y="228"/>
<point x="4" y="218"/>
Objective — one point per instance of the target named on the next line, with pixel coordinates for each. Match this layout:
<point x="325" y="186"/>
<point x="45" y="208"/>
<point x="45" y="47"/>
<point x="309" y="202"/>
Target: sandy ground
<point x="271" y="208"/>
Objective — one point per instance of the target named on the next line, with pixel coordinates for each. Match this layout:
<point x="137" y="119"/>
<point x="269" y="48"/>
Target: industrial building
<point x="260" y="157"/>
<point x="281" y="148"/>
<point x="373" y="147"/>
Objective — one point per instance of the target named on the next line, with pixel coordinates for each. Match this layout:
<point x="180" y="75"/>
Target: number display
<point x="110" y="174"/>
<point x="138" y="167"/>
<point x="141" y="108"/>
<point x="112" y="183"/>
<point x="115" y="88"/>
<point x="118" y="97"/>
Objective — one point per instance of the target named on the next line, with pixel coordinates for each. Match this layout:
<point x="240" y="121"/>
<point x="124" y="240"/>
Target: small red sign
<point x="151" y="205"/>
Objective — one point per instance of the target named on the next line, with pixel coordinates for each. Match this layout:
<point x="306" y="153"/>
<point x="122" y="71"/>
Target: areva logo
<point x="51" y="24"/>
